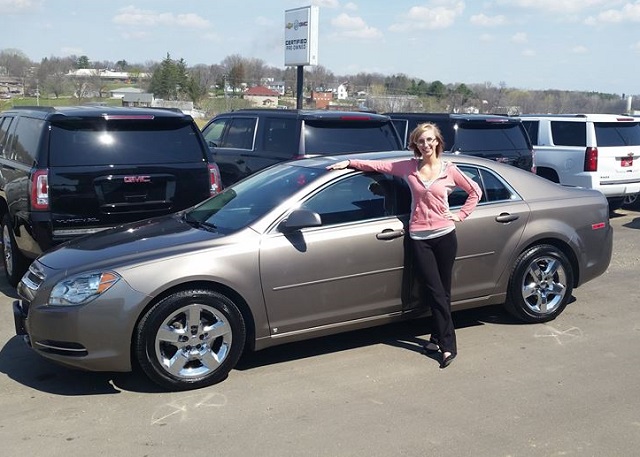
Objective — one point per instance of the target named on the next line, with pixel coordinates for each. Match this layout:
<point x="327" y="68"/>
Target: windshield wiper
<point x="199" y="224"/>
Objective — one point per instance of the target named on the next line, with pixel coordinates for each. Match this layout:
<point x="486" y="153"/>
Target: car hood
<point x="135" y="242"/>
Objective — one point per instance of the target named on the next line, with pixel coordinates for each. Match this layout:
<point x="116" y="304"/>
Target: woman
<point x="431" y="226"/>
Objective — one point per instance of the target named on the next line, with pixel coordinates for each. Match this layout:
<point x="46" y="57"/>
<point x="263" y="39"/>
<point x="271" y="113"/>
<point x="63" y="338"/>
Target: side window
<point x="532" y="130"/>
<point x="280" y="137"/>
<point x="493" y="189"/>
<point x="357" y="198"/>
<point x="569" y="133"/>
<point x="27" y="140"/>
<point x="458" y="196"/>
<point x="240" y="134"/>
<point x="213" y="132"/>
<point x="5" y="122"/>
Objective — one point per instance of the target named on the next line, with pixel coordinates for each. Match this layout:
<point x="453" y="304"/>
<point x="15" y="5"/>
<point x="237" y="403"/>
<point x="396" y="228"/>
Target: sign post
<point x="301" y="42"/>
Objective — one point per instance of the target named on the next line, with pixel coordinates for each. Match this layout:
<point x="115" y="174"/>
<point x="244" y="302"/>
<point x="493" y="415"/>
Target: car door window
<point x="493" y="189"/>
<point x="359" y="197"/>
<point x="280" y="137"/>
<point x="213" y="132"/>
<point x="240" y="133"/>
<point x="569" y="133"/>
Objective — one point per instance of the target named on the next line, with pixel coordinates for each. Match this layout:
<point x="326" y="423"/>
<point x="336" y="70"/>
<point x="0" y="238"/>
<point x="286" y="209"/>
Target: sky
<point x="583" y="45"/>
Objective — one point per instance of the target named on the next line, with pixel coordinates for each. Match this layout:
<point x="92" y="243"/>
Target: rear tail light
<point x="40" y="190"/>
<point x="591" y="159"/>
<point x="215" y="181"/>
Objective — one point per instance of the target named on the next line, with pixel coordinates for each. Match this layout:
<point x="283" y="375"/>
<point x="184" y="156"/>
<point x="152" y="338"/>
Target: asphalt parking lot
<point x="566" y="388"/>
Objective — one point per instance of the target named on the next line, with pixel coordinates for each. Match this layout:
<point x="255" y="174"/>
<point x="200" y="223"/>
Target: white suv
<point x="596" y="151"/>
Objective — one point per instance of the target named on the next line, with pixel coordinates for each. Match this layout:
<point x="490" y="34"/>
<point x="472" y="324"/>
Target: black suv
<point x="494" y="137"/>
<point x="245" y="141"/>
<point x="71" y="171"/>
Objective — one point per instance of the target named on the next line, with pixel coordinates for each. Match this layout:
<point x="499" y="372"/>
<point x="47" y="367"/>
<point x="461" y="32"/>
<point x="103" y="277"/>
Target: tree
<point x="83" y="62"/>
<point x="14" y="62"/>
<point x="169" y="79"/>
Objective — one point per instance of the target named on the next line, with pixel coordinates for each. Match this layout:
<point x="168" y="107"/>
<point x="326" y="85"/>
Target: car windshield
<point x="248" y="200"/>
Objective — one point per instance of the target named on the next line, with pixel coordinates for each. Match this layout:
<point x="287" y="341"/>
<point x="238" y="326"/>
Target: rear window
<point x="328" y="137"/>
<point x="120" y="142"/>
<point x="617" y="133"/>
<point x="488" y="136"/>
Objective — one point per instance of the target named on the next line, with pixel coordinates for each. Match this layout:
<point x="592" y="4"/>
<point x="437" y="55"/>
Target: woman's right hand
<point x="339" y="165"/>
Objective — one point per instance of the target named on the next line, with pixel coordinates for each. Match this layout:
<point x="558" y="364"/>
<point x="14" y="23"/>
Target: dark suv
<point x="245" y="141"/>
<point x="71" y="171"/>
<point x="494" y="137"/>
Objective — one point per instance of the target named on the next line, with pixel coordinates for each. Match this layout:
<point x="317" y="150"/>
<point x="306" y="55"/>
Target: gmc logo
<point x="130" y="179"/>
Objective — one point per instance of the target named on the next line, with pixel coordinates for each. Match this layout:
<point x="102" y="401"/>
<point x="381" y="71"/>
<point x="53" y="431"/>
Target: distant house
<point x="342" y="92"/>
<point x="321" y="100"/>
<point x="137" y="99"/>
<point x="262" y="97"/>
<point x="122" y="91"/>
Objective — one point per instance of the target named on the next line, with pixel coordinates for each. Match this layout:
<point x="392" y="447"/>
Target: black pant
<point x="434" y="259"/>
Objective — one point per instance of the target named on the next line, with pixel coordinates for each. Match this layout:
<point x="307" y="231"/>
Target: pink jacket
<point x="428" y="205"/>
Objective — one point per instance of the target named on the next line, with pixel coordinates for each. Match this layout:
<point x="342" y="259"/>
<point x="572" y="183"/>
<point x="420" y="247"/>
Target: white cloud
<point x="557" y="6"/>
<point x="326" y="3"/>
<point x="437" y="15"/>
<point x="636" y="47"/>
<point x="579" y="49"/>
<point x="354" y="27"/>
<point x="628" y="13"/>
<point x="519" y="37"/>
<point x="132" y="16"/>
<point x="18" y="6"/>
<point x="351" y="6"/>
<point x="488" y="21"/>
<point x="529" y="53"/>
<point x="486" y="37"/>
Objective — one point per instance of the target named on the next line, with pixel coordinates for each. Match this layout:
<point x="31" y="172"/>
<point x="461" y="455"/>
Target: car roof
<point x="453" y="116"/>
<point x="595" y="117"/>
<point x="326" y="160"/>
<point x="309" y="114"/>
<point x="49" y="112"/>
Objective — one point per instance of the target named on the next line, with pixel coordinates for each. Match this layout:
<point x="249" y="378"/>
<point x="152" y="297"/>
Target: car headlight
<point x="81" y="289"/>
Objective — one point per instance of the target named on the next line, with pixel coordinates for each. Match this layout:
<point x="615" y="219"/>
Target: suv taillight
<point x="40" y="190"/>
<point x="591" y="159"/>
<point x="215" y="181"/>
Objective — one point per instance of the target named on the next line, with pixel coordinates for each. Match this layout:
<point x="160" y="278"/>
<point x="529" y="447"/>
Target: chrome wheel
<point x="544" y="285"/>
<point x="193" y="341"/>
<point x="540" y="285"/>
<point x="190" y="339"/>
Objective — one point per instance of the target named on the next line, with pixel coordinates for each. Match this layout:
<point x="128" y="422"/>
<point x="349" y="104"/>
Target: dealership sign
<point x="301" y="36"/>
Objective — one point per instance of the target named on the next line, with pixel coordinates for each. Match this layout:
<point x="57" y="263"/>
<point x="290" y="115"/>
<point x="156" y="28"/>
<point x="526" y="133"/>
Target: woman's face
<point x="427" y="143"/>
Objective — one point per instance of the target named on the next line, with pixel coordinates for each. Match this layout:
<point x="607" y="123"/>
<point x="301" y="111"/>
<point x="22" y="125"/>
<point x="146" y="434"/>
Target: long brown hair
<point x="418" y="131"/>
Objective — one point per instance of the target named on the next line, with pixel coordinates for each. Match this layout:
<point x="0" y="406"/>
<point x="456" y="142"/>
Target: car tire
<point x="540" y="285"/>
<point x="190" y="339"/>
<point x="15" y="263"/>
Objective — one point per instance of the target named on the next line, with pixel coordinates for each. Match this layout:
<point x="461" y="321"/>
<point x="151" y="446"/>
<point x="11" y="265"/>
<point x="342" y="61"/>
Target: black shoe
<point x="430" y="347"/>
<point x="446" y="361"/>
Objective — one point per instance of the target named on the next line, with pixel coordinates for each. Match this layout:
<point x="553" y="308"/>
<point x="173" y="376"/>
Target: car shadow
<point x="410" y="335"/>
<point x="24" y="366"/>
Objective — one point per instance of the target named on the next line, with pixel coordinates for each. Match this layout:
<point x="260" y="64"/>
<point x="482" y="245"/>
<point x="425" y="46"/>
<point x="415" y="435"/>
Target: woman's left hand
<point x="452" y="217"/>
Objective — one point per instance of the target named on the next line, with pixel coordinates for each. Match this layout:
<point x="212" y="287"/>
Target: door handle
<point x="389" y="234"/>
<point x="506" y="217"/>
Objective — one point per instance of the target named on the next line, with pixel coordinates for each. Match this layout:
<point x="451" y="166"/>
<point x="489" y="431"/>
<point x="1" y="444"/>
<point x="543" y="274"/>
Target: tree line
<point x="174" y="79"/>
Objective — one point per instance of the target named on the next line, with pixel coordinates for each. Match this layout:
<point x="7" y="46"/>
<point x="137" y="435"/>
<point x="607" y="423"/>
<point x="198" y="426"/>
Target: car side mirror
<point x="299" y="219"/>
